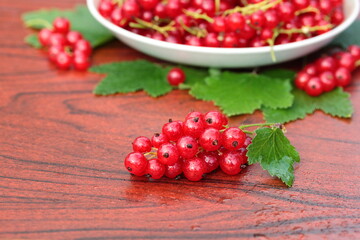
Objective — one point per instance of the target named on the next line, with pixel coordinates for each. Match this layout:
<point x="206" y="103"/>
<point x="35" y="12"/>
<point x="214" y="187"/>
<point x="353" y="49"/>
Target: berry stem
<point x="306" y="10"/>
<point x="257" y="125"/>
<point x="163" y="30"/>
<point x="251" y="8"/>
<point x="194" y="31"/>
<point x="217" y="6"/>
<point x="248" y="132"/>
<point x="197" y="15"/>
<point x="38" y="22"/>
<point x="306" y="29"/>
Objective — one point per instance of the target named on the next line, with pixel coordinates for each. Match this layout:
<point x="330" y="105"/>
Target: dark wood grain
<point x="62" y="150"/>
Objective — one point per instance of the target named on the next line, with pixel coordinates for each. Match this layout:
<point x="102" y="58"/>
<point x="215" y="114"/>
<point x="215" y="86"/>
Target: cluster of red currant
<point x="327" y="72"/>
<point x="225" y="23"/>
<point x="65" y="48"/>
<point x="197" y="146"/>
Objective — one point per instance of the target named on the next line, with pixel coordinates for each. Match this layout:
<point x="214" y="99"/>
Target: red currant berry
<point x="83" y="46"/>
<point x="325" y="6"/>
<point x="247" y="32"/>
<point x="230" y="40"/>
<point x="235" y="22"/>
<point x="81" y="61"/>
<point x="286" y="11"/>
<point x="243" y="152"/>
<point x="347" y="61"/>
<point x="354" y="50"/>
<point x="117" y="18"/>
<point x="208" y="7"/>
<point x="44" y="36"/>
<point x="142" y="144"/>
<point x="172" y="130"/>
<point x="337" y="16"/>
<point x="57" y="39"/>
<point x="257" y="19"/>
<point x="105" y="8"/>
<point x="61" y="25"/>
<point x="311" y="69"/>
<point x="215" y="120"/>
<point x="326" y="64"/>
<point x="187" y="147"/>
<point x="130" y="9"/>
<point x="210" y="139"/>
<point x="271" y="19"/>
<point x="342" y="76"/>
<point x="194" y="169"/>
<point x="54" y="51"/>
<point x="63" y="61"/>
<point x="155" y="169"/>
<point x="148" y="4"/>
<point x="176" y="76"/>
<point x="173" y="8"/>
<point x="194" y="126"/>
<point x="160" y="10"/>
<point x="219" y="24"/>
<point x="327" y="80"/>
<point x="230" y="162"/>
<point x="172" y="171"/>
<point x="301" y="79"/>
<point x="211" y="160"/>
<point x="73" y="37"/>
<point x="233" y="138"/>
<point x="158" y="139"/>
<point x="193" y="41"/>
<point x="314" y="87"/>
<point x="168" y="154"/>
<point x="136" y="163"/>
<point x="248" y="141"/>
<point x="211" y="40"/>
<point x="301" y="4"/>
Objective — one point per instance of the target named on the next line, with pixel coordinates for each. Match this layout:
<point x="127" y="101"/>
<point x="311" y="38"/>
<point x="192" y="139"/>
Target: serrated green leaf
<point x="275" y="154"/>
<point x="80" y="18"/>
<point x="349" y="36"/>
<point x="193" y="76"/>
<point x="240" y="93"/>
<point x="33" y="41"/>
<point x="336" y="103"/>
<point x="125" y="77"/>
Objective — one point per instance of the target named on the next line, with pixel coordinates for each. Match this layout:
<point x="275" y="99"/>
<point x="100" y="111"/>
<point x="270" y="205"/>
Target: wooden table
<point x="62" y="151"/>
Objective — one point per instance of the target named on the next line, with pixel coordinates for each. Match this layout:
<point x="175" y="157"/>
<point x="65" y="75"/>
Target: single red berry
<point x="215" y="120"/>
<point x="271" y="18"/>
<point x="54" y="51"/>
<point x="172" y="130"/>
<point x="311" y="69"/>
<point x="337" y="16"/>
<point x="230" y="40"/>
<point x="210" y="139"/>
<point x="63" y="61"/>
<point x="81" y="61"/>
<point x="176" y="76"/>
<point x="325" y="6"/>
<point x="211" y="40"/>
<point x="347" y="61"/>
<point x="194" y="169"/>
<point x="168" y="154"/>
<point x="343" y="77"/>
<point x="187" y="147"/>
<point x="160" y="10"/>
<point x="194" y="126"/>
<point x="230" y="162"/>
<point x="57" y="39"/>
<point x="354" y="50"/>
<point x="155" y="169"/>
<point x="147" y="16"/>
<point x="247" y="32"/>
<point x="208" y="7"/>
<point x="173" y="8"/>
<point x="327" y="80"/>
<point x="130" y="9"/>
<point x="172" y="171"/>
<point x="142" y="144"/>
<point x="301" y="79"/>
<point x="136" y="163"/>
<point x="301" y="4"/>
<point x="211" y="160"/>
<point x="61" y="25"/>
<point x="257" y="19"/>
<point x="326" y="64"/>
<point x="286" y="11"/>
<point x="118" y="19"/>
<point x="233" y="138"/>
<point x="158" y="139"/>
<point x="219" y="24"/>
<point x="84" y="46"/>
<point x="105" y="8"/>
<point x="314" y="87"/>
<point x="266" y="34"/>
<point x="235" y="22"/>
<point x="44" y="36"/>
<point x="148" y="4"/>
<point x="73" y="37"/>
<point x="193" y="41"/>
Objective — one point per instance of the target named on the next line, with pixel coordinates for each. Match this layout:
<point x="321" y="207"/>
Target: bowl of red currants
<point x="225" y="33"/>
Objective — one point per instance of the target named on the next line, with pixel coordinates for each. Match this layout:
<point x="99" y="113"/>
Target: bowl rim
<point x="225" y="51"/>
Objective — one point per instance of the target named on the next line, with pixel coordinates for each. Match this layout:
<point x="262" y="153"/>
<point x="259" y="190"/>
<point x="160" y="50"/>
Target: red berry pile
<point x="193" y="147"/>
<point x="225" y="23"/>
<point x="66" y="48"/>
<point x="328" y="72"/>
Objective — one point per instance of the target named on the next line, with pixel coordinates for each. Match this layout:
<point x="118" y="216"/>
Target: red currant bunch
<point x="328" y="72"/>
<point x="226" y="23"/>
<point x="65" y="48"/>
<point x="198" y="145"/>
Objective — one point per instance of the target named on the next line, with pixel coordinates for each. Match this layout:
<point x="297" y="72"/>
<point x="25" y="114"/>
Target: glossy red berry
<point x="211" y="160"/>
<point x="158" y="139"/>
<point x="233" y="138"/>
<point x="176" y="76"/>
<point x="311" y="69"/>
<point x="54" y="51"/>
<point x="354" y="50"/>
<point x="219" y="24"/>
<point x="57" y="39"/>
<point x="215" y="120"/>
<point x="286" y="11"/>
<point x="194" y="126"/>
<point x="326" y="64"/>
<point x="106" y="7"/>
<point x="210" y="139"/>
<point x="257" y="19"/>
<point x="301" y="79"/>
<point x="148" y="4"/>
<point x="247" y="142"/>
<point x="136" y="163"/>
<point x="172" y="171"/>
<point x="235" y="22"/>
<point x="230" y="162"/>
<point x="187" y="147"/>
<point x="168" y="154"/>
<point x="61" y="25"/>
<point x="172" y="130"/>
<point x="142" y="144"/>
<point x="314" y="87"/>
<point x="327" y="80"/>
<point x="83" y="46"/>
<point x="155" y="169"/>
<point x="44" y="36"/>
<point x="63" y="61"/>
<point x="194" y="169"/>
<point x="347" y="61"/>
<point x="130" y="9"/>
<point x="73" y="37"/>
<point x="343" y="77"/>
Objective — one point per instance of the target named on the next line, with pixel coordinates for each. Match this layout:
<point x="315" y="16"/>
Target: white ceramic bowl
<point x="225" y="57"/>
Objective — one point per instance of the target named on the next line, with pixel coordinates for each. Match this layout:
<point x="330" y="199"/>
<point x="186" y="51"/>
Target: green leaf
<point x="33" y="41"/>
<point x="280" y="73"/>
<point x="349" y="36"/>
<point x="275" y="154"/>
<point x="336" y="103"/>
<point x="241" y="93"/>
<point x="80" y="18"/>
<point x="131" y="76"/>
<point x="193" y="76"/>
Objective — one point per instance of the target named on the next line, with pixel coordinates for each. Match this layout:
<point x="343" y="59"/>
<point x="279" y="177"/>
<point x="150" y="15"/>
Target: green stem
<point x="306" y="29"/>
<point x="306" y="10"/>
<point x="163" y="30"/>
<point x="217" y="6"/>
<point x="38" y="23"/>
<point x="256" y="125"/>
<point x="197" y="15"/>
<point x="248" y="132"/>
